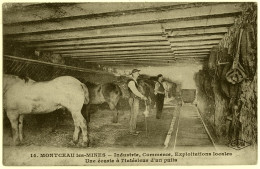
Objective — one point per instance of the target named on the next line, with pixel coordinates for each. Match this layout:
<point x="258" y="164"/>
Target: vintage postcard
<point x="129" y="83"/>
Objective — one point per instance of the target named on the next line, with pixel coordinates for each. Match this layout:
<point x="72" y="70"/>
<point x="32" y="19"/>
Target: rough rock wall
<point x="234" y="114"/>
<point x="248" y="111"/>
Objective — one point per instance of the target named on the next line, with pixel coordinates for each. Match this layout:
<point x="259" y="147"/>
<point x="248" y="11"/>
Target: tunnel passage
<point x="207" y="53"/>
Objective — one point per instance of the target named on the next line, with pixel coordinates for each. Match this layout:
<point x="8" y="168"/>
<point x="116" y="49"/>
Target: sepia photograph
<point x="129" y="83"/>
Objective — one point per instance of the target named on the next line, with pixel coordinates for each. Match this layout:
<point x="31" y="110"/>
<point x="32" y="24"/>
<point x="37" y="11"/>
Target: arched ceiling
<point x="121" y="33"/>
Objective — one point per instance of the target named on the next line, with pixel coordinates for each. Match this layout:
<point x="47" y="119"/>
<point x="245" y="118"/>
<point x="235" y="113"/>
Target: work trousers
<point x="159" y="104"/>
<point x="134" y="110"/>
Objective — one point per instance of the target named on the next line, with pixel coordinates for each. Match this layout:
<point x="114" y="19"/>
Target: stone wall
<point x="230" y="109"/>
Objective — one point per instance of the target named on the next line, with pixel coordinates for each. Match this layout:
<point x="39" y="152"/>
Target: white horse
<point x="30" y="97"/>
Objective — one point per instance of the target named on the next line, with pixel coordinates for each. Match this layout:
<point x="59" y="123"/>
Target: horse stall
<point x="67" y="69"/>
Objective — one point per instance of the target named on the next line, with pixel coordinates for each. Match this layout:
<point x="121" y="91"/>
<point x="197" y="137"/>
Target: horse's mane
<point x="90" y="84"/>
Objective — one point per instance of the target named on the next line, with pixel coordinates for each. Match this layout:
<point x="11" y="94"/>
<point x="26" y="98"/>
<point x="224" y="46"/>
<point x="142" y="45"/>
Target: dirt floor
<point x="52" y="134"/>
<point x="56" y="129"/>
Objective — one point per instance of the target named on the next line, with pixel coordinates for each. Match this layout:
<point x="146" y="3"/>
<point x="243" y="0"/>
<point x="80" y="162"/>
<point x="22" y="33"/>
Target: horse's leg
<point x="76" y="130"/>
<point x="85" y="112"/>
<point x="13" y="117"/>
<point x="80" y="121"/>
<point x="20" y="127"/>
<point x="88" y="113"/>
<point x="115" y="116"/>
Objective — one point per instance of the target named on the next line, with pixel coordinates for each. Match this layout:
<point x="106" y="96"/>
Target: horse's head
<point x="112" y="94"/>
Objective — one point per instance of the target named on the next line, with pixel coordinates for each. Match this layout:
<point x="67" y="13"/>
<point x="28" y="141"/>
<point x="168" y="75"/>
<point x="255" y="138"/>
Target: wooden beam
<point x="193" y="47"/>
<point x="147" y="62"/>
<point x="141" y="56"/>
<point x="127" y="57"/>
<point x="123" y="45"/>
<point x="163" y="54"/>
<point x="197" y="31"/>
<point x="167" y="48"/>
<point x="106" y="46"/>
<point x="196" y="38"/>
<point x="203" y="49"/>
<point x="133" y="60"/>
<point x="152" y="62"/>
<point x="191" y="51"/>
<point x="58" y="11"/>
<point x="120" y="59"/>
<point x="114" y="32"/>
<point x="118" y="52"/>
<point x="222" y="33"/>
<point x="196" y="43"/>
<point x="123" y="20"/>
<point x="148" y="29"/>
<point x="135" y="39"/>
<point x="192" y="56"/>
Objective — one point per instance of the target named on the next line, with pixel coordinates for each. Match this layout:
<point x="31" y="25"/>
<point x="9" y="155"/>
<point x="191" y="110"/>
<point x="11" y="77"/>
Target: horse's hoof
<point x="72" y="143"/>
<point x="16" y="143"/>
<point x="85" y="144"/>
<point x="115" y="120"/>
<point x="75" y="142"/>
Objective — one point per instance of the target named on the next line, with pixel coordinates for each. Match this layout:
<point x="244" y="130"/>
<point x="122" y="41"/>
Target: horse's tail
<point x="86" y="93"/>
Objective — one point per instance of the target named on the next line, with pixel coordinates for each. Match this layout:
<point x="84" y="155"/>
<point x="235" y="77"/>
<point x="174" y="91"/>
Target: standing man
<point x="159" y="91"/>
<point x="134" y="99"/>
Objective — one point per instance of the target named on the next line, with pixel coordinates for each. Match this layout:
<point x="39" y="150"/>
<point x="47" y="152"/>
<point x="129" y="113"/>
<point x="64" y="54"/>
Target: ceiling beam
<point x="120" y="59"/>
<point x="193" y="47"/>
<point x="135" y="39"/>
<point x="117" y="52"/>
<point x="142" y="53"/>
<point x="158" y="54"/>
<point x="128" y="56"/>
<point x="58" y="11"/>
<point x="153" y="63"/>
<point x="196" y="43"/>
<point x="123" y="20"/>
<point x="202" y="49"/>
<point x="143" y="58"/>
<point x="108" y="46"/>
<point x="89" y="50"/>
<point x="180" y="52"/>
<point x="148" y="29"/>
<point x="196" y="38"/>
<point x="122" y="45"/>
<point x="149" y="62"/>
<point x="191" y="53"/>
<point x="114" y="49"/>
<point x="193" y="56"/>
<point x="197" y="31"/>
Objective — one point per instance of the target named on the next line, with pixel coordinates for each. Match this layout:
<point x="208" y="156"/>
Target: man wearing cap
<point x="134" y="99"/>
<point x="159" y="91"/>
